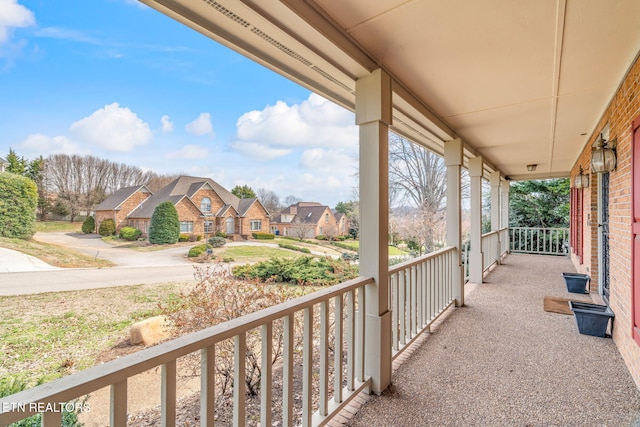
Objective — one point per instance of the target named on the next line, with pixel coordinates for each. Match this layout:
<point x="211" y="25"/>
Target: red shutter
<point x="573" y="224"/>
<point x="579" y="224"/>
<point x="635" y="231"/>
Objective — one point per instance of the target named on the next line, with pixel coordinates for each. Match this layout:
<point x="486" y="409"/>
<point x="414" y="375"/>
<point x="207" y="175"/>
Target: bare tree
<point x="269" y="200"/>
<point x="301" y="229"/>
<point x="291" y="200"/>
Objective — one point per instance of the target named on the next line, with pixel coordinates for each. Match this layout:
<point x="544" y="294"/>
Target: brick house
<point x="203" y="205"/>
<point x="3" y="164"/>
<point x="307" y="220"/>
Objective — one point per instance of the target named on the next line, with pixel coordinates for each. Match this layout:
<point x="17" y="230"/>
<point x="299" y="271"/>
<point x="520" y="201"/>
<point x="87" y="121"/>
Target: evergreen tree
<point x="541" y="203"/>
<point x="165" y="225"/>
<point x="18" y="202"/>
<point x="17" y="165"/>
<point x="243" y="192"/>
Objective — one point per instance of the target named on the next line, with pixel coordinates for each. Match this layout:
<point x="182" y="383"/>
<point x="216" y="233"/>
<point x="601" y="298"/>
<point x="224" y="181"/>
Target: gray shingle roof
<point x="114" y="201"/>
<point x="306" y="212"/>
<point x="184" y="186"/>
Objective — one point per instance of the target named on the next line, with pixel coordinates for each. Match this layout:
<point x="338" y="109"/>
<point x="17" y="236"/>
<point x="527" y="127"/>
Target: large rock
<point x="150" y="331"/>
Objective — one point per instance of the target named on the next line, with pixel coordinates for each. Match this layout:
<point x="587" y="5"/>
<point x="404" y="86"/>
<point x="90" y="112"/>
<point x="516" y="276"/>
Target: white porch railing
<point x="495" y="246"/>
<point x="341" y="311"/>
<point x="542" y="241"/>
<point x="421" y="289"/>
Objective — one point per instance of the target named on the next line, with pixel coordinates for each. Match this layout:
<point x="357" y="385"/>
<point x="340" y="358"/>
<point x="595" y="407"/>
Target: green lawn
<point x="355" y="245"/>
<point x="50" y="226"/>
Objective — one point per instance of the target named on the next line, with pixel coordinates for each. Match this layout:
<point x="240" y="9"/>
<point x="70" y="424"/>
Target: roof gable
<point x="115" y="200"/>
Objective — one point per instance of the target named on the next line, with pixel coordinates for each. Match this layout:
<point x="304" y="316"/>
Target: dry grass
<point x="55" y="255"/>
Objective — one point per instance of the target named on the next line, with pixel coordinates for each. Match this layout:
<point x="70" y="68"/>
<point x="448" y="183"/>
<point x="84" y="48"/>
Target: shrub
<point x="263" y="236"/>
<point x="321" y="237"/>
<point x="107" y="228"/>
<point x="298" y="240"/>
<point x="304" y="270"/>
<point x="18" y="203"/>
<point x="183" y="238"/>
<point x="217" y="242"/>
<point x="294" y="248"/>
<point x="89" y="225"/>
<point x="221" y="234"/>
<point x="196" y="251"/>
<point x="344" y="246"/>
<point x="130" y="233"/>
<point x="165" y="225"/>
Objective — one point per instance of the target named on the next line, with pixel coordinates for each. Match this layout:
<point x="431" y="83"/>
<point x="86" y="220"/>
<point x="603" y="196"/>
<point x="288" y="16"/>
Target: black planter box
<point x="592" y="319"/>
<point x="576" y="282"/>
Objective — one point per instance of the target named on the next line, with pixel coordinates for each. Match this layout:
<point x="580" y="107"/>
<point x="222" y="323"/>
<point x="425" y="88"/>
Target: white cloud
<point x="329" y="161"/>
<point x="167" y="124"/>
<point x="13" y="15"/>
<point x="262" y="152"/>
<point x="314" y="122"/>
<point x="189" y="152"/>
<point x="201" y="126"/>
<point x="66" y="34"/>
<point x="38" y="144"/>
<point x="113" y="128"/>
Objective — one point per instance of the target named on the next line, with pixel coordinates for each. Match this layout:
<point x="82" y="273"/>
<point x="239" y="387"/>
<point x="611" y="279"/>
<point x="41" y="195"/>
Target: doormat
<point x="557" y="305"/>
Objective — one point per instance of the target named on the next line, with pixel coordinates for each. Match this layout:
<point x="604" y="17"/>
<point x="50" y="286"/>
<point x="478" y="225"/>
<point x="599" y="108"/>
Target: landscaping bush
<point x="263" y="236"/>
<point x="18" y="203"/>
<point x="303" y="270"/>
<point x="321" y="237"/>
<point x="130" y="233"/>
<point x="345" y="246"/>
<point x="298" y="240"/>
<point x="221" y="234"/>
<point x="165" y="225"/>
<point x="217" y="242"/>
<point x="89" y="225"/>
<point x="196" y="251"/>
<point x="294" y="248"/>
<point x="107" y="228"/>
<point x="183" y="238"/>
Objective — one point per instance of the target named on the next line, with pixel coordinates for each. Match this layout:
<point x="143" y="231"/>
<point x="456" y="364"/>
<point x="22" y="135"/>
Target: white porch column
<point x="476" y="166"/>
<point x="504" y="216"/>
<point x="373" y="115"/>
<point x="453" y="161"/>
<point x="494" y="181"/>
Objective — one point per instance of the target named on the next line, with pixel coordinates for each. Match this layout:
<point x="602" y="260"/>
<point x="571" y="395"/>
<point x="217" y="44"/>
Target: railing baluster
<point x="412" y="302"/>
<point x="402" y="307"/>
<point x="323" y="399"/>
<point x="307" y="367"/>
<point x="239" y="375"/>
<point x="351" y="339"/>
<point x="168" y="394"/>
<point x="287" y="371"/>
<point x="266" y="376"/>
<point x="395" y="313"/>
<point x="118" y="410"/>
<point x="419" y="287"/>
<point x="207" y="386"/>
<point x="338" y="332"/>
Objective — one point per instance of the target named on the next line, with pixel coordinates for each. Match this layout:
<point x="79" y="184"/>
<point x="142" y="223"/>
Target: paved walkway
<point x="503" y="361"/>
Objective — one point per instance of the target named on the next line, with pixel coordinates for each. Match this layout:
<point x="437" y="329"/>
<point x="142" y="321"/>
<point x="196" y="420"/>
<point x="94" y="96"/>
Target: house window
<point x="256" y="225"/>
<point x="326" y="218"/>
<point x="186" y="226"/>
<point x="205" y="205"/>
<point x="208" y="226"/>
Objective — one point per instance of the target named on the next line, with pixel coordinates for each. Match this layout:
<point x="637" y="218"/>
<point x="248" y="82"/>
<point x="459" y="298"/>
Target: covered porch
<point x="501" y="360"/>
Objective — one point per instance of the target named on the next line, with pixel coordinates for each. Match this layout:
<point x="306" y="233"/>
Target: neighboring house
<point x="203" y="205"/>
<point x="343" y="223"/>
<point x="3" y="165"/>
<point x="305" y="220"/>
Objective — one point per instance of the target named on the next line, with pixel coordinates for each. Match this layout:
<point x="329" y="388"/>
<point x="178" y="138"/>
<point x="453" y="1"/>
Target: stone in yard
<point x="149" y="331"/>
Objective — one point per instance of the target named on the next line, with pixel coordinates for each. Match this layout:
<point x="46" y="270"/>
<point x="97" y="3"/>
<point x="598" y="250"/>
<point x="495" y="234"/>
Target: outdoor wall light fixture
<point x="603" y="157"/>
<point x="531" y="168"/>
<point x="581" y="180"/>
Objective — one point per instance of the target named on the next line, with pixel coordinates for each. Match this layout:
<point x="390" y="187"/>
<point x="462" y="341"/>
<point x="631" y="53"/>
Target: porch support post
<point x="476" y="267"/>
<point x="373" y="115"/>
<point x="504" y="217"/>
<point x="494" y="181"/>
<point x="453" y="161"/>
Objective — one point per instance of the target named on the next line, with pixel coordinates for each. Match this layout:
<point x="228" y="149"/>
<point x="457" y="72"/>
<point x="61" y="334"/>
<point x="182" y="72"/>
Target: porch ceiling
<point x="519" y="82"/>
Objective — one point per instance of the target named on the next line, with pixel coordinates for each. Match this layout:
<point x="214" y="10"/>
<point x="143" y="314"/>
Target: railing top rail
<point x="540" y="228"/>
<point x="491" y="233"/>
<point x="410" y="263"/>
<point x="92" y="379"/>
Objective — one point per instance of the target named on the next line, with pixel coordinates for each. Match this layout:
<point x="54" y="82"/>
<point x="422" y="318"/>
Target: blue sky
<point x="118" y="80"/>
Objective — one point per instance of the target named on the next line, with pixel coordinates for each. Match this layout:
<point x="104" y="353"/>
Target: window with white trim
<point x="256" y="225"/>
<point x="186" y="226"/>
<point x="205" y="204"/>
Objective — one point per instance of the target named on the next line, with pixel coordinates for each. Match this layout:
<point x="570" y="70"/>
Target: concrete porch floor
<point x="503" y="361"/>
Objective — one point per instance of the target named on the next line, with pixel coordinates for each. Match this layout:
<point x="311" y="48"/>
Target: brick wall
<point x="120" y="216"/>
<point x="255" y="212"/>
<point x="624" y="108"/>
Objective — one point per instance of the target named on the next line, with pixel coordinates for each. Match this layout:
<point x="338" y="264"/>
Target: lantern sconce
<point x="581" y="180"/>
<point x="603" y="157"/>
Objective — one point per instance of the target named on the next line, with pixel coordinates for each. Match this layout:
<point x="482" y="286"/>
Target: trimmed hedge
<point x="18" y="203"/>
<point x="304" y="270"/>
<point x="130" y="233"/>
<point x="197" y="250"/>
<point x="107" y="228"/>
<point x="294" y="248"/>
<point x="89" y="225"/>
<point x="263" y="236"/>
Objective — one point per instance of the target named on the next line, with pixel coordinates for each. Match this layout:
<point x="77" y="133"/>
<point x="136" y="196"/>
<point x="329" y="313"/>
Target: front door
<point x="635" y="231"/>
<point x="230" y="225"/>
<point x="604" y="235"/>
